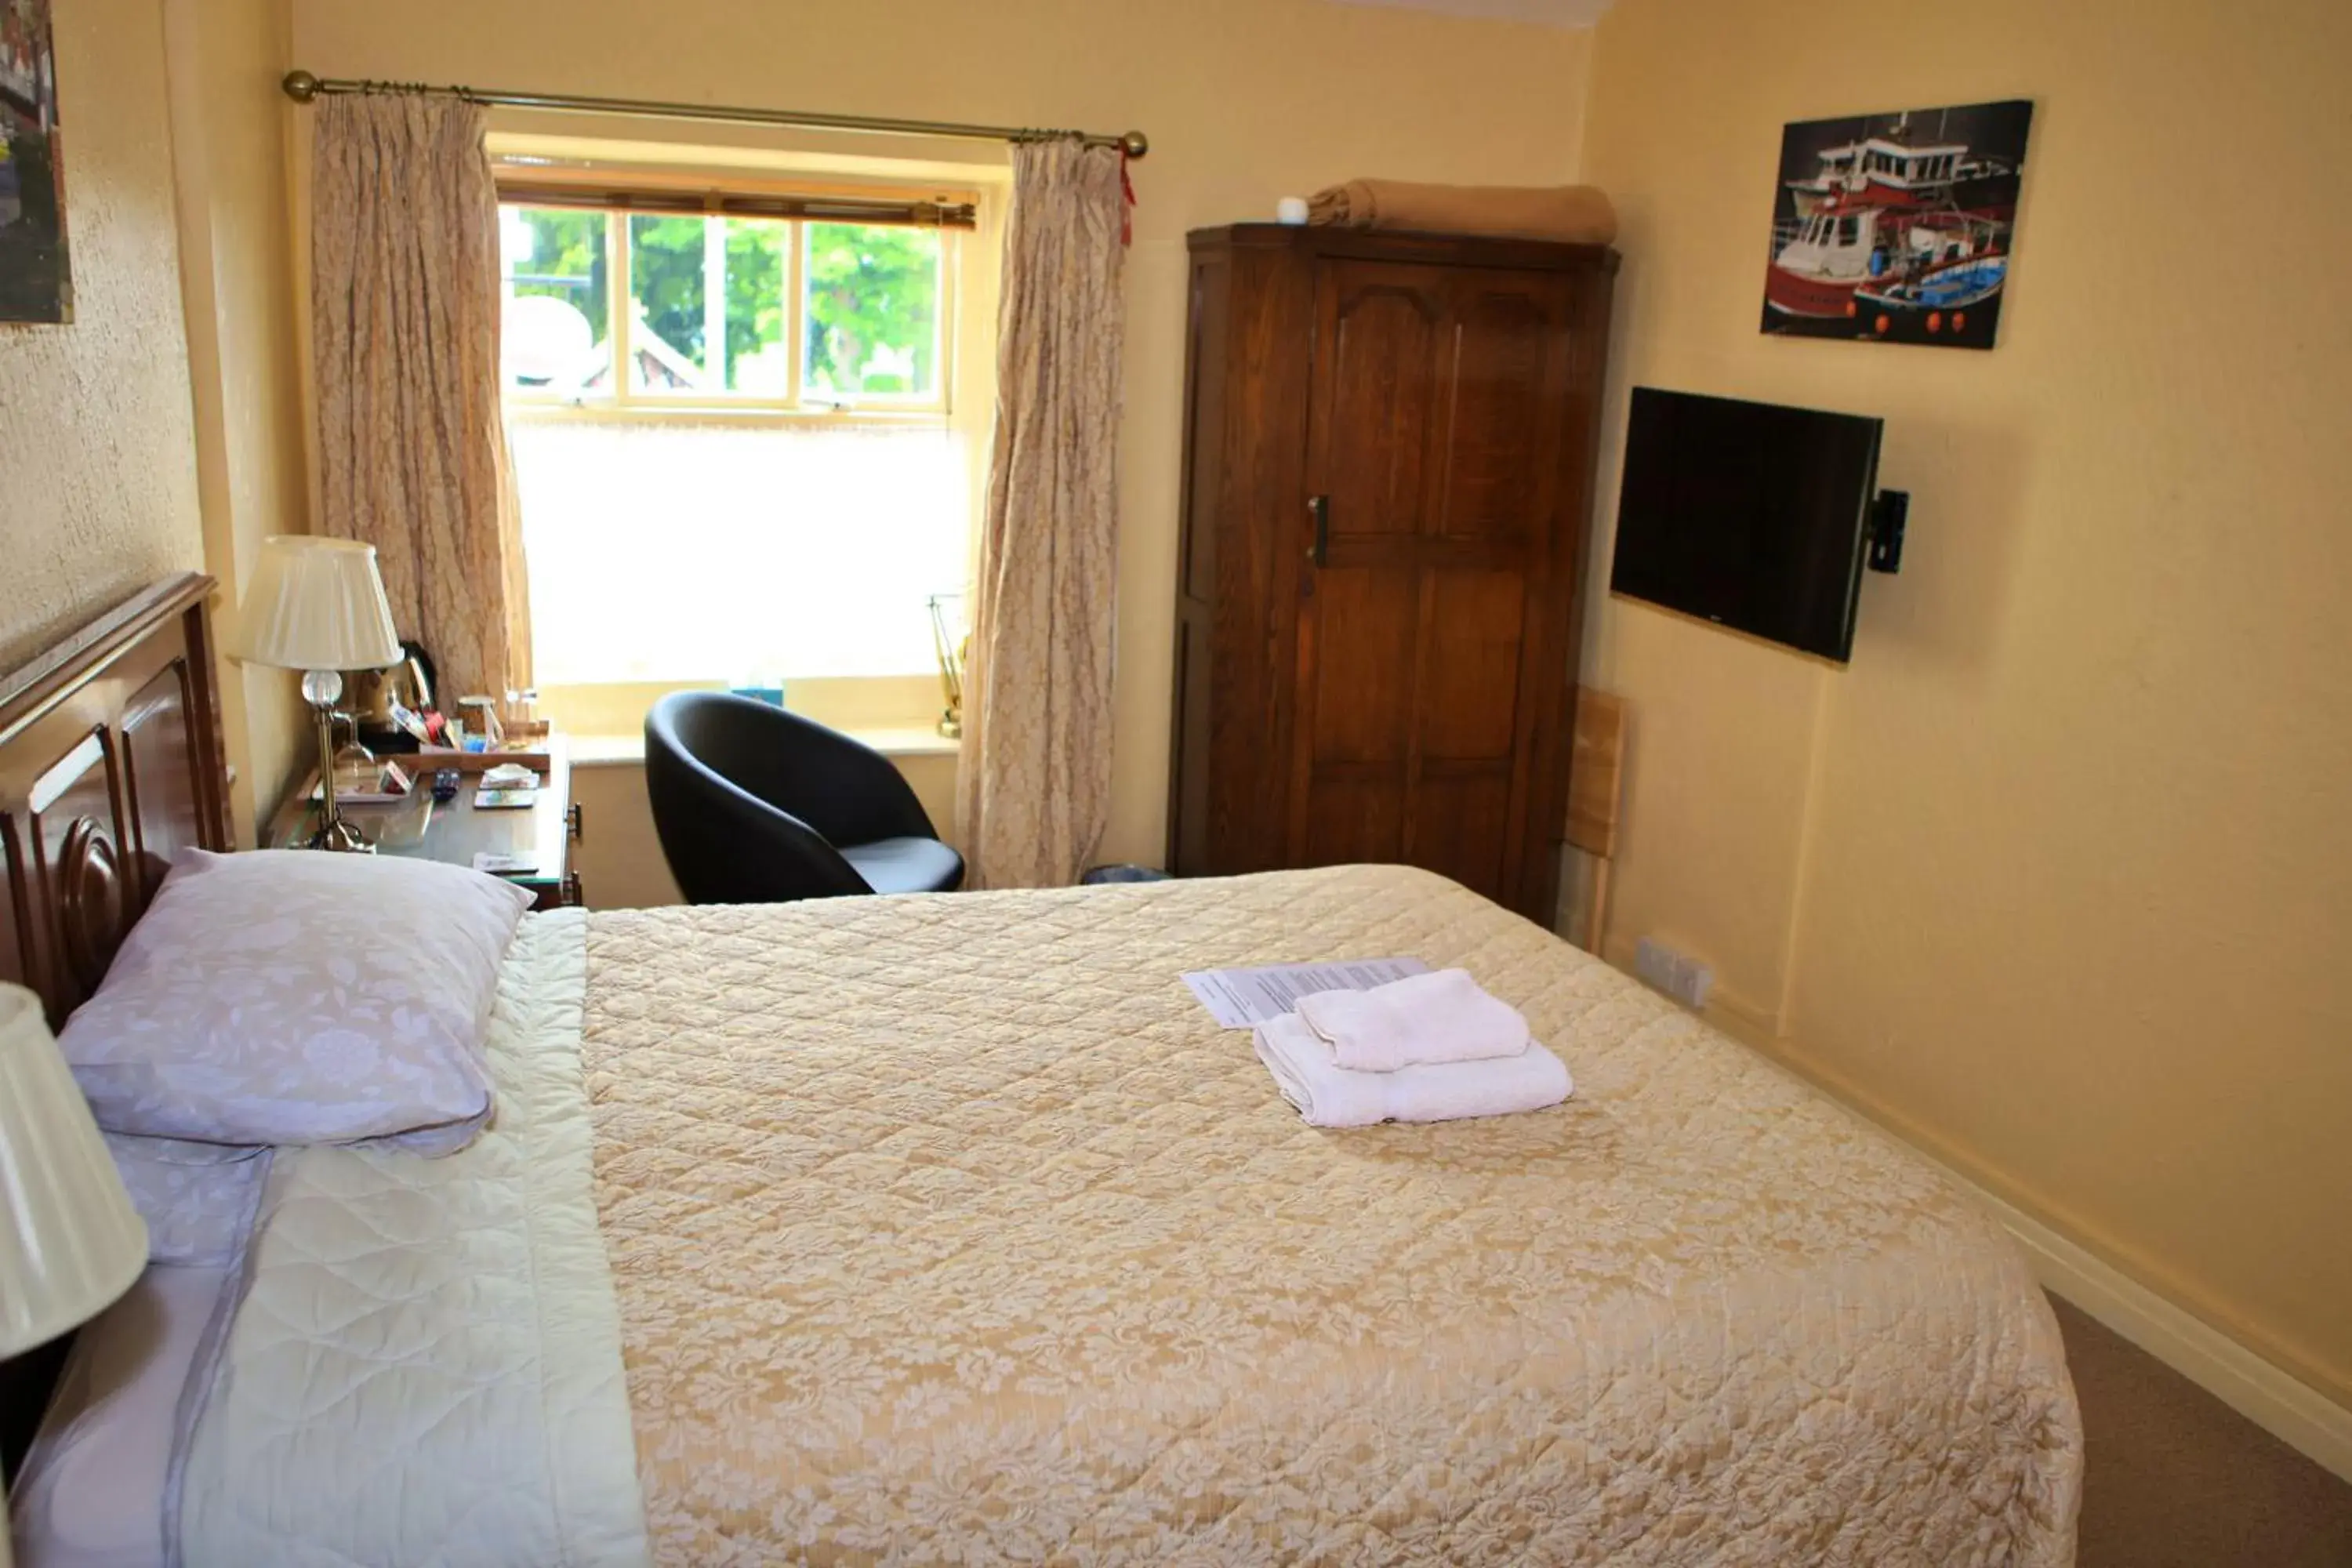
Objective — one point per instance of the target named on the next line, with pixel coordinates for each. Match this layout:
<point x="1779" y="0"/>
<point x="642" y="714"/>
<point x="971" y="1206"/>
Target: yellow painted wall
<point x="618" y="857"/>
<point x="2058" y="875"/>
<point x="1245" y="100"/>
<point x="97" y="480"/>
<point x="230" y="125"/>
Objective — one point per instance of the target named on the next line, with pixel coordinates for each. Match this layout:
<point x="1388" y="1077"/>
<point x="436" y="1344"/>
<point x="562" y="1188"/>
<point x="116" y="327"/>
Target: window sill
<point x="738" y="415"/>
<point x="893" y="714"/>
<point x="629" y="751"/>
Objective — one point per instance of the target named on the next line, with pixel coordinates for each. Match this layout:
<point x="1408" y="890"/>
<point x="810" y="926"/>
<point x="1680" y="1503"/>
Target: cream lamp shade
<point x="318" y="604"/>
<point x="69" y="1241"/>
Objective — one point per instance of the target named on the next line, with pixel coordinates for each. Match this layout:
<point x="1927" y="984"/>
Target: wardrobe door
<point x="1373" y="418"/>
<point x="1438" y="417"/>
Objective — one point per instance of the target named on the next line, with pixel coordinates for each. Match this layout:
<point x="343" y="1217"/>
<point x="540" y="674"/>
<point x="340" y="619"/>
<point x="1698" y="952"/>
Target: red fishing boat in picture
<point x="1896" y="227"/>
<point x="1823" y="257"/>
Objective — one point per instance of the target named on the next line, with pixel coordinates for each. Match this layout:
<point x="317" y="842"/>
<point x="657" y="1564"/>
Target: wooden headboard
<point x="111" y="762"/>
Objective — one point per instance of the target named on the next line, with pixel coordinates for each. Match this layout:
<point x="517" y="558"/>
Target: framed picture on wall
<point x="36" y="277"/>
<point x="1897" y="227"/>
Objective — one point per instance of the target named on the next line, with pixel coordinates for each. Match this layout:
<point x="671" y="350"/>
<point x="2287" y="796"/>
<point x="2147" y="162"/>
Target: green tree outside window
<point x="873" y="309"/>
<point x="870" y="306"/>
<point x="561" y="257"/>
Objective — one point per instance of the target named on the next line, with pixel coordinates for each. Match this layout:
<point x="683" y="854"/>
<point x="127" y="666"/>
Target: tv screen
<point x="1748" y="514"/>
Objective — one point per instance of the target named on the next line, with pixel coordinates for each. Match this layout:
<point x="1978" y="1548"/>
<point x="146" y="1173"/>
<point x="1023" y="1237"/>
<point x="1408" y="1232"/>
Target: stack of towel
<point x="1431" y="1048"/>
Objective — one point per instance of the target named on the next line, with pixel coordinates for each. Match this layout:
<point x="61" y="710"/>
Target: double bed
<point x="953" y="1229"/>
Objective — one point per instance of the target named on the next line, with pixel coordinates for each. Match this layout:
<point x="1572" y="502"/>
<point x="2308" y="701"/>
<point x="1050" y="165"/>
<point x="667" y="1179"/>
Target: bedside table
<point x="457" y="831"/>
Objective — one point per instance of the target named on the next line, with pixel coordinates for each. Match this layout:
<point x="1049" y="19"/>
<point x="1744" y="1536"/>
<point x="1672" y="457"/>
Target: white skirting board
<point x="2272" y="1398"/>
<point x="2264" y="1392"/>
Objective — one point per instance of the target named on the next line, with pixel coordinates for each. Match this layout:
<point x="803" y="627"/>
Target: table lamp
<point x="316" y="605"/>
<point x="69" y="1241"/>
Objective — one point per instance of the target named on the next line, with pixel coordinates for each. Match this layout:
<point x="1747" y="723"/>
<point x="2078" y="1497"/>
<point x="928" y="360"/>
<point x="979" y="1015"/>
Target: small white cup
<point x="1291" y="210"/>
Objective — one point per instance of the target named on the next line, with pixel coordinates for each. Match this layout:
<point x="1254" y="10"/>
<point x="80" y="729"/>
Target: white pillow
<point x="301" y="996"/>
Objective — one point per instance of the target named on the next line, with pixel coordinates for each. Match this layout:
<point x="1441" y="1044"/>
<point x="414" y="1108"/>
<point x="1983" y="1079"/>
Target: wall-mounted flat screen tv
<point x="1748" y="514"/>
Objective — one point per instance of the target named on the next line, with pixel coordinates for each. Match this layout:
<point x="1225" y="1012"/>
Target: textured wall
<point x="98" y="485"/>
<point x="1245" y="100"/>
<point x="230" y="125"/>
<point x="2057" y="875"/>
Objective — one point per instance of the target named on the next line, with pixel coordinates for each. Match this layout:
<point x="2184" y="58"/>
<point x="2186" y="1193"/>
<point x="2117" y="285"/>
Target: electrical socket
<point x="1656" y="964"/>
<point x="1679" y="974"/>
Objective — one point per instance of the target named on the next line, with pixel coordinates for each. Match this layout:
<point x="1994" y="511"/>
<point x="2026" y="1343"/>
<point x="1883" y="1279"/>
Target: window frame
<point x="622" y="402"/>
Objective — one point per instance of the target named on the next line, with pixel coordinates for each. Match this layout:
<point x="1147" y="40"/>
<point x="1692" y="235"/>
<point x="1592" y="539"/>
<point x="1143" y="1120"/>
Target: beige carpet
<point x="2175" y="1478"/>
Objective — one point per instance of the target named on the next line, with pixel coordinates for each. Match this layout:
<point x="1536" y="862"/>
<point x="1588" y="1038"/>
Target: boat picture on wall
<point x="1896" y="227"/>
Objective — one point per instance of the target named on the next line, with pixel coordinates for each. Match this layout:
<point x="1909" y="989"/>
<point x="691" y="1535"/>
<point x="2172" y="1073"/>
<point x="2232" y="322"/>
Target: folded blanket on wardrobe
<point x="1442" y="1016"/>
<point x="1328" y="1095"/>
<point x="1580" y="214"/>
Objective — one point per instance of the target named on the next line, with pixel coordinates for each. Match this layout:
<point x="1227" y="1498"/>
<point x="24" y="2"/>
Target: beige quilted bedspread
<point x="952" y="1231"/>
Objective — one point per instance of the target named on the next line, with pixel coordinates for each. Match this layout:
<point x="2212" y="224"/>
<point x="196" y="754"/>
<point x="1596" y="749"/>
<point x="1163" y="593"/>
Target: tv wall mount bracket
<point x="1887" y="514"/>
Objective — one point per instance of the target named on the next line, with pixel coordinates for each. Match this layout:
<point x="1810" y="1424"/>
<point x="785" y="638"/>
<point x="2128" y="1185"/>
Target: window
<point x="558" y="257"/>
<point x="715" y="310"/>
<point x="662" y="550"/>
<point x="734" y="432"/>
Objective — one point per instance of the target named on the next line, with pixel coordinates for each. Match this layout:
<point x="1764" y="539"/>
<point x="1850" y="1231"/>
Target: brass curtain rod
<point x="302" y="87"/>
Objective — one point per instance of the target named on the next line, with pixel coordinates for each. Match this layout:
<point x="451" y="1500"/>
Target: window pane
<point x="781" y="550"/>
<point x="758" y="360"/>
<point x="665" y="280"/>
<point x="873" y="296"/>
<point x="559" y="301"/>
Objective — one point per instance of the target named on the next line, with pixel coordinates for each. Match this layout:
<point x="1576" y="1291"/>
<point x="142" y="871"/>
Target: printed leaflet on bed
<point x="1242" y="998"/>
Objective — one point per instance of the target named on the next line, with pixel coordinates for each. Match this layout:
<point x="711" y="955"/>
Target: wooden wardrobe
<point x="1389" y="447"/>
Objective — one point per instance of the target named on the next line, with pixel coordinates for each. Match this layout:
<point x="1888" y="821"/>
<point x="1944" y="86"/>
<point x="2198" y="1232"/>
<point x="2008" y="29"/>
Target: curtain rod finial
<point x="1135" y="143"/>
<point x="300" y="85"/>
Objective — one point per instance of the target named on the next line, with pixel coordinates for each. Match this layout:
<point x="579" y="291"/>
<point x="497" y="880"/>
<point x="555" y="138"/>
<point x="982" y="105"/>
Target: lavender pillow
<point x="301" y="996"/>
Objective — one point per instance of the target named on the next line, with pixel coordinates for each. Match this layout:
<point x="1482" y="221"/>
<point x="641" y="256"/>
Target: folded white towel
<point x="1328" y="1095"/>
<point x="1443" y="1016"/>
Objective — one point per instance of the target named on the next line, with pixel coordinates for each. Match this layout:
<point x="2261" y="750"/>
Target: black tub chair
<point x="757" y="805"/>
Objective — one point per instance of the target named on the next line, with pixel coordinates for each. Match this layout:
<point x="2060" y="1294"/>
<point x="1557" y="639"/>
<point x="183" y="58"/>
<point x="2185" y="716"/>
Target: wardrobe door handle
<point x="1319" y="509"/>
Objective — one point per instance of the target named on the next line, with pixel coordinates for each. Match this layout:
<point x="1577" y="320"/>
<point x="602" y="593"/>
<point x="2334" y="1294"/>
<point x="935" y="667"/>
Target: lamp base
<point x="320" y="688"/>
<point x="340" y="834"/>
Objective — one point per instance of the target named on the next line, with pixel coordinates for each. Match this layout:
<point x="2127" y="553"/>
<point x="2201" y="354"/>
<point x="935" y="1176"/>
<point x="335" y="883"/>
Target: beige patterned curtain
<point x="1034" y="782"/>
<point x="411" y="443"/>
